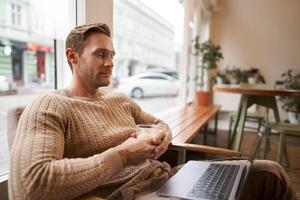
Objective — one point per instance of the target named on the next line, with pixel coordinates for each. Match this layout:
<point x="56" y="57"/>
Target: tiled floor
<point x="293" y="149"/>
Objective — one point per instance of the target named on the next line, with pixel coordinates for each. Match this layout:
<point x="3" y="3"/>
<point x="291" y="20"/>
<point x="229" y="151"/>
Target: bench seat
<point x="186" y="122"/>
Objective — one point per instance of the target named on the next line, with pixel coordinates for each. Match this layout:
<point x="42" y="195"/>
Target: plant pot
<point x="252" y="80"/>
<point x="204" y="98"/>
<point x="294" y="118"/>
<point x="219" y="80"/>
<point x="233" y="80"/>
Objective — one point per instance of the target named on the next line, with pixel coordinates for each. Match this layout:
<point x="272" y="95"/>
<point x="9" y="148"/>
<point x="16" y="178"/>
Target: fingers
<point x="150" y="151"/>
<point x="159" y="152"/>
<point x="158" y="137"/>
<point x="151" y="155"/>
<point x="159" y="134"/>
<point x="139" y="149"/>
<point x="161" y="148"/>
<point x="149" y="143"/>
<point x="134" y="134"/>
<point x="156" y="141"/>
<point x="155" y="146"/>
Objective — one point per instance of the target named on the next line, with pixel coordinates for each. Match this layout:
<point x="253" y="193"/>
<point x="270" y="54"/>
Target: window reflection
<point x="146" y="62"/>
<point x="27" y="32"/>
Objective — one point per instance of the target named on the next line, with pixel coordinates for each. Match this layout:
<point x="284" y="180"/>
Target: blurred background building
<point x="26" y="50"/>
<point x="142" y="39"/>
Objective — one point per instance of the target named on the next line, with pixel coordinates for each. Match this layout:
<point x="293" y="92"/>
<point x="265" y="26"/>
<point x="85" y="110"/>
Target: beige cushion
<point x="13" y="116"/>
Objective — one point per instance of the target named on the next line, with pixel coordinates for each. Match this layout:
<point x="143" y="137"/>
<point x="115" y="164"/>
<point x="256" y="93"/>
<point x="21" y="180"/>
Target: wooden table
<point x="261" y="94"/>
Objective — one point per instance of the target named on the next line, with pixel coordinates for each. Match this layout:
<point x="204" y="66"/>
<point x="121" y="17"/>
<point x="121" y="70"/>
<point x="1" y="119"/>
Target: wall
<point x="99" y="11"/>
<point x="262" y="34"/>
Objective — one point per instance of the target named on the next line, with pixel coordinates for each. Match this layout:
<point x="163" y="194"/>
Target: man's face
<point x="96" y="61"/>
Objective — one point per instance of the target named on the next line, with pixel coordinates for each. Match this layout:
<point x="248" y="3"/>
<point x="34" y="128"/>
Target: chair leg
<point x="229" y="133"/>
<point x="258" y="128"/>
<point x="259" y="124"/>
<point x="267" y="142"/>
<point x="216" y="123"/>
<point x="285" y="153"/>
<point x="205" y="133"/>
<point x="280" y="147"/>
<point x="181" y="157"/>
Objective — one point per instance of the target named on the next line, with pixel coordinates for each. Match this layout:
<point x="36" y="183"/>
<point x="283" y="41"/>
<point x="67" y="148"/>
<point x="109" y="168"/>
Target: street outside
<point x="152" y="105"/>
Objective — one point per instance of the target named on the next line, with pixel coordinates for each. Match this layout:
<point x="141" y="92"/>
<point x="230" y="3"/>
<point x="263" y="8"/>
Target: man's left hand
<point x="160" y="139"/>
<point x="163" y="146"/>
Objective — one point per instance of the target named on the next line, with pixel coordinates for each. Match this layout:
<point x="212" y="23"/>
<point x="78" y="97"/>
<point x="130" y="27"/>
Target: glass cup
<point x="146" y="130"/>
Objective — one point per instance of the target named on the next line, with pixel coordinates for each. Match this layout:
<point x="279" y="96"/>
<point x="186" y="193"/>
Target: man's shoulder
<point x="54" y="98"/>
<point x="115" y="95"/>
<point x="56" y="95"/>
<point x="49" y="104"/>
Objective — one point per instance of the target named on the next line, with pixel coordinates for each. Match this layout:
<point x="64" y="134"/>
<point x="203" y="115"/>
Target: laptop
<point x="210" y="179"/>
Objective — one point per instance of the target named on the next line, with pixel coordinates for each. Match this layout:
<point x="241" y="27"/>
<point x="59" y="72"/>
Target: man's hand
<point x="136" y="150"/>
<point x="163" y="146"/>
<point x="160" y="139"/>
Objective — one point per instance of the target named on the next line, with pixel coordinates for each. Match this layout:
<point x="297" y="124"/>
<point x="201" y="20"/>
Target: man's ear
<point x="71" y="56"/>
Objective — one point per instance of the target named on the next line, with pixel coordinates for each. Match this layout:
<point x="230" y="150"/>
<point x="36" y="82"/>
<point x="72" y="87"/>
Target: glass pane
<point x="147" y="42"/>
<point x="27" y="32"/>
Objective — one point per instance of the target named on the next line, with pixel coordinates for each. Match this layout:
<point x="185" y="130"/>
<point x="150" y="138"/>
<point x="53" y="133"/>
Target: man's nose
<point x="109" y="62"/>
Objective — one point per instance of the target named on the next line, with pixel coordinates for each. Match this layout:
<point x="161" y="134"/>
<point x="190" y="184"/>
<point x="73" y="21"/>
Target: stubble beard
<point x="101" y="83"/>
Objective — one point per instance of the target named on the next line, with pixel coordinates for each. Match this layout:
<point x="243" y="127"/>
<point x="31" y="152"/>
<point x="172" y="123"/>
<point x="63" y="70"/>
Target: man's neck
<point x="79" y="90"/>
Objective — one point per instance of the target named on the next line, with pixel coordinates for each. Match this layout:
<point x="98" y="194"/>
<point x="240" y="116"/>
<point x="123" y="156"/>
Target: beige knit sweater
<point x="64" y="146"/>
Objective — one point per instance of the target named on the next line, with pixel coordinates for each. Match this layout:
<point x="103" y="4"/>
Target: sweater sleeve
<point x="142" y="117"/>
<point x="38" y="169"/>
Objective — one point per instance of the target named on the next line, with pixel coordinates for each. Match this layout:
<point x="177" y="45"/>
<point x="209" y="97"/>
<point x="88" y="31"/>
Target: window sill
<point x="4" y="177"/>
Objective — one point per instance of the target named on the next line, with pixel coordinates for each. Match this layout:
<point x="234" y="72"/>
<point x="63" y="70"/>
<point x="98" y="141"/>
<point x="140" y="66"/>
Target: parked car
<point x="149" y="84"/>
<point x="169" y="72"/>
<point x="4" y="84"/>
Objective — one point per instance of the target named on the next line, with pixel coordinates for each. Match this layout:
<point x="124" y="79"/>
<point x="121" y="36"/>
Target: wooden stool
<point x="251" y="117"/>
<point x="283" y="130"/>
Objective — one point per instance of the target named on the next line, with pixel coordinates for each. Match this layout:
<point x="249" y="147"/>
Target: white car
<point x="4" y="84"/>
<point x="169" y="72"/>
<point x="149" y="84"/>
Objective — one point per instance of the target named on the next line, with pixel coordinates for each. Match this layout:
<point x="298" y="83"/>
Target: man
<point x="82" y="140"/>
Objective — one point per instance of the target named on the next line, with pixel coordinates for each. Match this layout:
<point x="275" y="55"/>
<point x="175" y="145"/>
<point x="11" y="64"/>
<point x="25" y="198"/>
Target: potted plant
<point x="254" y="76"/>
<point x="210" y="54"/>
<point x="291" y="80"/>
<point x="233" y="74"/>
<point x="222" y="78"/>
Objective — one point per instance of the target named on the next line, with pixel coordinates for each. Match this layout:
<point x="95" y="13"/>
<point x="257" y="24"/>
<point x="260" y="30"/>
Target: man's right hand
<point x="136" y="150"/>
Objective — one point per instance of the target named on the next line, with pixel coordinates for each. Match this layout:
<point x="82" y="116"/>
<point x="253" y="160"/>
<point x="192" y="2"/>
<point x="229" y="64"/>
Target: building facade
<point x="142" y="39"/>
<point x="26" y="47"/>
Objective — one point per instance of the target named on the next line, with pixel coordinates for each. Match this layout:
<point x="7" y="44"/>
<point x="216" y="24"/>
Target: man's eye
<point x="101" y="54"/>
<point x="105" y="55"/>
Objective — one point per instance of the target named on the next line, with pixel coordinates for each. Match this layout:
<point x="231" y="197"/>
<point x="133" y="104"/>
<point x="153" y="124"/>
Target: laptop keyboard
<point x="216" y="182"/>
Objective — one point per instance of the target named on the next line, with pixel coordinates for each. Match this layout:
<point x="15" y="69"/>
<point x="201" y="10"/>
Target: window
<point x="16" y="14"/>
<point x="27" y="54"/>
<point x="147" y="41"/>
